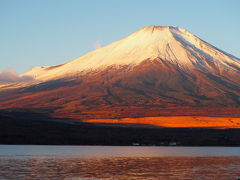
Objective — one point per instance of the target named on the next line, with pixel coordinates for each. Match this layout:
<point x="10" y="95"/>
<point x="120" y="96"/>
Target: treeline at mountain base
<point x="33" y="128"/>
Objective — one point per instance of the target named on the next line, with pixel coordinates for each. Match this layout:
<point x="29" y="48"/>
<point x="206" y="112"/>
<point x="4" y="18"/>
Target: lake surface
<point x="118" y="162"/>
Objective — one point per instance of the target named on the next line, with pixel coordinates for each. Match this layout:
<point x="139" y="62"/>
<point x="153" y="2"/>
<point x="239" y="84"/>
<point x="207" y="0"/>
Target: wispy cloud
<point x="97" y="44"/>
<point x="8" y="75"/>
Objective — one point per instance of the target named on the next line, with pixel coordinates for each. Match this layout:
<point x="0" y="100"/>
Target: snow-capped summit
<point x="172" y="44"/>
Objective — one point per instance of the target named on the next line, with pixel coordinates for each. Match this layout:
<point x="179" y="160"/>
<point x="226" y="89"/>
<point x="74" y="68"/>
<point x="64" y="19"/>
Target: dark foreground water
<point x="106" y="162"/>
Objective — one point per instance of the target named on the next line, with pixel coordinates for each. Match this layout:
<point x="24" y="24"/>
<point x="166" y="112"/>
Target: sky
<point x="50" y="32"/>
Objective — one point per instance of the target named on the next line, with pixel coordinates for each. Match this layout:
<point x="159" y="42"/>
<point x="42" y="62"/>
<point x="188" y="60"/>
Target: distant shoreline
<point x="37" y="132"/>
<point x="39" y="129"/>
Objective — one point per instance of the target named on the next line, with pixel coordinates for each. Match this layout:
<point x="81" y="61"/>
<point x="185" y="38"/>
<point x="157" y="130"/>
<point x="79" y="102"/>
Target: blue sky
<point x="51" y="32"/>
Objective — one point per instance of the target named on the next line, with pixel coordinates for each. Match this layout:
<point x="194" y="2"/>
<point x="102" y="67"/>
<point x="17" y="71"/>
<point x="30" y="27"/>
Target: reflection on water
<point x="56" y="163"/>
<point x="121" y="168"/>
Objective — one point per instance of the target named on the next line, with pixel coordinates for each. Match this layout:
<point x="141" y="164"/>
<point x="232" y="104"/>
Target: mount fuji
<point x="155" y="71"/>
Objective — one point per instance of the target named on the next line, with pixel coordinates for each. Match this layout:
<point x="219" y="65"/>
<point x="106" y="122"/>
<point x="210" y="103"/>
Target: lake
<point x="118" y="162"/>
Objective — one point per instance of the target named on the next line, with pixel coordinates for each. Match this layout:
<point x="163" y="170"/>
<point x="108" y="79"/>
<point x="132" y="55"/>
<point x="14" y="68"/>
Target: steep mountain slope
<point x="171" y="44"/>
<point x="156" y="68"/>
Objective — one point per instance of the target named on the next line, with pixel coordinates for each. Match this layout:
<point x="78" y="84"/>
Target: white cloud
<point x="8" y="75"/>
<point x="97" y="44"/>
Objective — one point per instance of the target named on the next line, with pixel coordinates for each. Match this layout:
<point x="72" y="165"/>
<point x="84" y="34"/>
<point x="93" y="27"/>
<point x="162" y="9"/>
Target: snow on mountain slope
<point x="172" y="44"/>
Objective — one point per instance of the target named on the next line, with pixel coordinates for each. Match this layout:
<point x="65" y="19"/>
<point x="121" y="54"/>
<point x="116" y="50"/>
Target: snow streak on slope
<point x="172" y="44"/>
